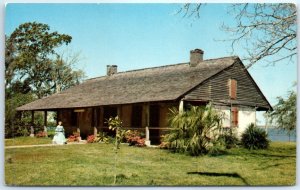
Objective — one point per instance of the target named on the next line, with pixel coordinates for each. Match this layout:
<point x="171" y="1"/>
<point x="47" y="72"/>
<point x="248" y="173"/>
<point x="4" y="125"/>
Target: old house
<point x="142" y="98"/>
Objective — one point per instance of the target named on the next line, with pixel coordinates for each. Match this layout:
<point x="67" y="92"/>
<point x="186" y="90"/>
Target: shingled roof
<point x="163" y="83"/>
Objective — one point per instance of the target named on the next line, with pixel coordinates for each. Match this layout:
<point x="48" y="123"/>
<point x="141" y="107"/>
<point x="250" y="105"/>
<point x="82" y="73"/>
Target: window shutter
<point x="232" y="88"/>
<point x="234" y="116"/>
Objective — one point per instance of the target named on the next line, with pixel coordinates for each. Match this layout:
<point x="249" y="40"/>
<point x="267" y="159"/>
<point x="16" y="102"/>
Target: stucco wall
<point x="226" y="120"/>
<point x="245" y="117"/>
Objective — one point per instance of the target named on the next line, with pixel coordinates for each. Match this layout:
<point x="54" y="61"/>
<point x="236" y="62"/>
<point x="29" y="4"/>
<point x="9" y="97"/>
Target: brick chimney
<point x="196" y="56"/>
<point x="111" y="69"/>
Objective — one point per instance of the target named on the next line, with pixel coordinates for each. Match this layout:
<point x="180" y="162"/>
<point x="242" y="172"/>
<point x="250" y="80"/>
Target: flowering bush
<point x="74" y="137"/>
<point x="134" y="138"/>
<point x="41" y="134"/>
<point x="90" y="139"/>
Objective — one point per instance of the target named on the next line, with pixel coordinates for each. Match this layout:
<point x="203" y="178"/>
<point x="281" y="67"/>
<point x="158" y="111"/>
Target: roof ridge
<point x="162" y="66"/>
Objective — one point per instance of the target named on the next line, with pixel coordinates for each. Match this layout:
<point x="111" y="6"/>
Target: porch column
<point x="147" y="132"/>
<point x="181" y="105"/>
<point x="45" y="123"/>
<point x="95" y="131"/>
<point x="32" y="124"/>
<point x="95" y="121"/>
<point x="78" y="131"/>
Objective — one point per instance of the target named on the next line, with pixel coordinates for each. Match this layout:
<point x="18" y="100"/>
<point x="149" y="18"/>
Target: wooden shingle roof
<point x="145" y="85"/>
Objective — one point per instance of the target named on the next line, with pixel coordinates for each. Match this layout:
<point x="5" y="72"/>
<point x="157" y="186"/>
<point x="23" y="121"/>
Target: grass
<point x="27" y="141"/>
<point x="92" y="165"/>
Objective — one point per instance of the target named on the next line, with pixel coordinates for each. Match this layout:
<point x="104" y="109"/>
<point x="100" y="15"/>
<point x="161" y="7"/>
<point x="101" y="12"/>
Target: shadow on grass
<point x="274" y="165"/>
<point x="271" y="155"/>
<point x="257" y="153"/>
<point x="214" y="174"/>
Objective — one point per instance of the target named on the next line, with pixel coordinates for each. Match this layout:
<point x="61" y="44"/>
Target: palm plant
<point x="255" y="138"/>
<point x="194" y="130"/>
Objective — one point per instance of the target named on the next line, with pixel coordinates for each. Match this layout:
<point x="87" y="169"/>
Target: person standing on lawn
<point x="59" y="137"/>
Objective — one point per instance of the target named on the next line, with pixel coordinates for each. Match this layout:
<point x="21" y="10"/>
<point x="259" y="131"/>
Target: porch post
<point x="32" y="124"/>
<point x="147" y="141"/>
<point x="78" y="131"/>
<point x="181" y="105"/>
<point x="95" y="121"/>
<point x="45" y="123"/>
<point x="95" y="131"/>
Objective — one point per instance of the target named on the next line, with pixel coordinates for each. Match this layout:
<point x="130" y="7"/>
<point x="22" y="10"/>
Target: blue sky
<point x="135" y="36"/>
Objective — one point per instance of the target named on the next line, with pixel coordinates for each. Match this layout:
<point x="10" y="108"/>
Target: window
<point x="234" y="116"/>
<point x="232" y="84"/>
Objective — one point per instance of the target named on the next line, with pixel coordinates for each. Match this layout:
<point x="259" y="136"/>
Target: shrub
<point x="74" y="137"/>
<point x="102" y="137"/>
<point x="51" y="131"/>
<point x="134" y="138"/>
<point x="255" y="138"/>
<point x="23" y="131"/>
<point x="228" y="138"/>
<point x="90" y="139"/>
<point x="217" y="149"/>
<point x="41" y="134"/>
<point x="164" y="145"/>
<point x="194" y="130"/>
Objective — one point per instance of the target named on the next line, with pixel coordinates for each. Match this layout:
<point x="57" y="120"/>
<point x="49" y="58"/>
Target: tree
<point x="34" y="69"/>
<point x="284" y="114"/>
<point x="266" y="30"/>
<point x="9" y="62"/>
<point x="32" y="57"/>
<point x="62" y="75"/>
<point x="115" y="124"/>
<point x="12" y="117"/>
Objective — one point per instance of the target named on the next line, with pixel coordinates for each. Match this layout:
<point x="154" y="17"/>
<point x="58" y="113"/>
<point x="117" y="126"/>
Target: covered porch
<point x="148" y="118"/>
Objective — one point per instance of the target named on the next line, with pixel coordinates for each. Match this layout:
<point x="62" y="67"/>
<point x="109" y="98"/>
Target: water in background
<point x="279" y="135"/>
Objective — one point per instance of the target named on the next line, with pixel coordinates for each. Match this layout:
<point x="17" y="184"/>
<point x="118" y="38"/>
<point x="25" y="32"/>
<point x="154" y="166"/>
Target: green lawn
<point x="92" y="164"/>
<point x="27" y="141"/>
